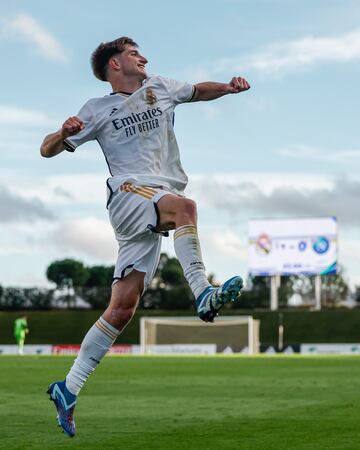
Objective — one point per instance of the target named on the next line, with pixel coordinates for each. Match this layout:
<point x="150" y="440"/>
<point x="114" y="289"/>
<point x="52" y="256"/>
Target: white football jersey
<point x="135" y="132"/>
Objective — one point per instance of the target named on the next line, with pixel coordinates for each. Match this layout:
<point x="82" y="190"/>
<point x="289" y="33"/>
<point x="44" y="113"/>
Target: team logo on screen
<point x="321" y="245"/>
<point x="263" y="244"/>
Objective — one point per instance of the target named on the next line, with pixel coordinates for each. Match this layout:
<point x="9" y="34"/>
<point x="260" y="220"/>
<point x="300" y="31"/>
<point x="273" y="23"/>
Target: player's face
<point x="132" y="62"/>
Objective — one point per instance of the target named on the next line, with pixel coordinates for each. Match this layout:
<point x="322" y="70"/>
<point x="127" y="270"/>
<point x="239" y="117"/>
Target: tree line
<point x="168" y="290"/>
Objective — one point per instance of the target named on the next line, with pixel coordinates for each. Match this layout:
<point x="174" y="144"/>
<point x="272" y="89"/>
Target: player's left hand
<point x="238" y="84"/>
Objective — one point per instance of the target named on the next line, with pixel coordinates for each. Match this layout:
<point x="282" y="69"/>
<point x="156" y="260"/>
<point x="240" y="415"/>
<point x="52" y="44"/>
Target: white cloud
<point x="349" y="258"/>
<point x="224" y="246"/>
<point x="16" y="208"/>
<point x="197" y="75"/>
<point x="10" y="247"/>
<point x="12" y="115"/>
<point x="208" y="110"/>
<point x="224" y="251"/>
<point x="26" y="279"/>
<point x="77" y="189"/>
<point x="88" y="236"/>
<point x="299" y="53"/>
<point x="257" y="104"/>
<point x="349" y="249"/>
<point x="266" y="181"/>
<point x="25" y="28"/>
<point x="286" y="198"/>
<point x="316" y="154"/>
<point x="227" y="243"/>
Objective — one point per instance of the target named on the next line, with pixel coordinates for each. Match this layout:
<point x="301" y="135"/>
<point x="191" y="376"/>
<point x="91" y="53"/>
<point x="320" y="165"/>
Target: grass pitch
<point x="269" y="402"/>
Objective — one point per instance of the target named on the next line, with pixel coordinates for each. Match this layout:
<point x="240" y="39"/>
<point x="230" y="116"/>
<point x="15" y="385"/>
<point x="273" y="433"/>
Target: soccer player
<point x="20" y="331"/>
<point x="134" y="128"/>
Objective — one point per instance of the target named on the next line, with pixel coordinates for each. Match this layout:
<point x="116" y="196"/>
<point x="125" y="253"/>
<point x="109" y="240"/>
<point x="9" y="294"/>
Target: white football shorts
<point x="133" y="215"/>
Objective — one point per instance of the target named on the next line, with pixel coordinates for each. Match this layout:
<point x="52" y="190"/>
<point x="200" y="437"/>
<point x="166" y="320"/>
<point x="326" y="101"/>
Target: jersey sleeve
<point x="179" y="91"/>
<point x="85" y="135"/>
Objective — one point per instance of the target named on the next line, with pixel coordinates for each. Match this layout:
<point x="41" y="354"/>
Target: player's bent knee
<point x="124" y="302"/>
<point x="125" y="315"/>
<point x="119" y="314"/>
<point x="120" y="317"/>
<point x="188" y="208"/>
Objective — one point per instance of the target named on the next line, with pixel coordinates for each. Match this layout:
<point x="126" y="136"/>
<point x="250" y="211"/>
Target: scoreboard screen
<point x="293" y="246"/>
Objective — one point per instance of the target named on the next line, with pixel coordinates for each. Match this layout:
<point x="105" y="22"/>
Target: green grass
<point x="268" y="402"/>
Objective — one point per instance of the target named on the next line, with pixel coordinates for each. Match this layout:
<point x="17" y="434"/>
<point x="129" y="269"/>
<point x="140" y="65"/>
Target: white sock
<point x="188" y="251"/>
<point x="94" y="347"/>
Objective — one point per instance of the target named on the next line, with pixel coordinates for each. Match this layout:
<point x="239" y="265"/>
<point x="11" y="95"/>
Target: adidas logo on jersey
<point x="112" y="112"/>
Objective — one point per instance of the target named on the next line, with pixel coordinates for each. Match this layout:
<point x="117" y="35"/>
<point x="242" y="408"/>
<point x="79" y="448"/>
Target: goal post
<point x="234" y="333"/>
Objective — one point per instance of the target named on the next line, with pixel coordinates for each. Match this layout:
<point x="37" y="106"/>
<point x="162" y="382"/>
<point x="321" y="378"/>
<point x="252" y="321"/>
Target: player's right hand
<point x="73" y="125"/>
<point x="238" y="84"/>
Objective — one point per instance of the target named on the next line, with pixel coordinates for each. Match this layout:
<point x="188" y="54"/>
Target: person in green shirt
<point x="20" y="331"/>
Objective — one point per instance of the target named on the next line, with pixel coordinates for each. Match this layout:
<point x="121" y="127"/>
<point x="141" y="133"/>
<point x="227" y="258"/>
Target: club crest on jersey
<point x="150" y="97"/>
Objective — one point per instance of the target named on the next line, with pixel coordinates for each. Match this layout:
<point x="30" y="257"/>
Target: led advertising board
<point x="293" y="246"/>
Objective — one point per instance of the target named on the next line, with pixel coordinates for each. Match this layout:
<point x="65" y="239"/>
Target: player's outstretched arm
<point x="211" y="90"/>
<point x="53" y="144"/>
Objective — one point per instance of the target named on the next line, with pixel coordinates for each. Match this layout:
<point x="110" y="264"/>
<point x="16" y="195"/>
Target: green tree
<point x="256" y="295"/>
<point x="67" y="274"/>
<point x="296" y="284"/>
<point x="13" y="299"/>
<point x="357" y="294"/>
<point x="99" y="276"/>
<point x="97" y="289"/>
<point x="39" y="299"/>
<point x="334" y="288"/>
<point x="169" y="289"/>
<point x="171" y="272"/>
<point x="26" y="298"/>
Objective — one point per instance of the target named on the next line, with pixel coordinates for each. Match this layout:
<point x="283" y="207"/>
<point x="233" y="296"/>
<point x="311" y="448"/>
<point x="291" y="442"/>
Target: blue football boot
<point x="65" y="403"/>
<point x="212" y="299"/>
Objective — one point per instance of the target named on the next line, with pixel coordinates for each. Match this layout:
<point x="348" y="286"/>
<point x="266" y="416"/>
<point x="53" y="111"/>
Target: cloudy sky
<point x="286" y="148"/>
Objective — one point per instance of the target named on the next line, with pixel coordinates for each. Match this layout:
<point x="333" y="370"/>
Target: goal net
<point x="228" y="333"/>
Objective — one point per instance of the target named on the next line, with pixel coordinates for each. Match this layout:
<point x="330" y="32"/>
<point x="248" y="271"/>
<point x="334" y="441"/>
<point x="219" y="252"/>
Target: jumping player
<point x="134" y="128"/>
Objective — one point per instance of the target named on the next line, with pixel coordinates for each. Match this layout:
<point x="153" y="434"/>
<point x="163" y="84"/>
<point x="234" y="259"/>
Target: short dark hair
<point x="101" y="55"/>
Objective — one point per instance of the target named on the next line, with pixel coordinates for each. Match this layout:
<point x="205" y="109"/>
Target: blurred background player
<point x="20" y="331"/>
<point x="134" y="128"/>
